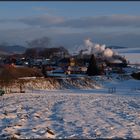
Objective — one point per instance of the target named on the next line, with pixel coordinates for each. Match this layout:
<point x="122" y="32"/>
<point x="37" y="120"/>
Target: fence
<point x="112" y="90"/>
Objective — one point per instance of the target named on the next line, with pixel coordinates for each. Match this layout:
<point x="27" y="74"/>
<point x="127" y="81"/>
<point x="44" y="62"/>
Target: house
<point x="64" y="63"/>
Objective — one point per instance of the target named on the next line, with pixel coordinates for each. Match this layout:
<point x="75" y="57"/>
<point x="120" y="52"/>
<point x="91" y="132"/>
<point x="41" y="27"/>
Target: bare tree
<point x="31" y="52"/>
<point x="51" y="52"/>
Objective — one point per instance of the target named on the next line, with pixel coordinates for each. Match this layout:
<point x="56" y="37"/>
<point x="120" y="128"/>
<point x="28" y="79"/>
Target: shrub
<point x="2" y="92"/>
<point x="136" y="75"/>
<point x="9" y="72"/>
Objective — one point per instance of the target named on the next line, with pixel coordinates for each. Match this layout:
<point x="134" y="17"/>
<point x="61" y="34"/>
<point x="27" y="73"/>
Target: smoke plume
<point x="97" y="49"/>
<point x="90" y="47"/>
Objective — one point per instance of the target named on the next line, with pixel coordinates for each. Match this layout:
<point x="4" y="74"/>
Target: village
<point x="56" y="63"/>
<point x="60" y="62"/>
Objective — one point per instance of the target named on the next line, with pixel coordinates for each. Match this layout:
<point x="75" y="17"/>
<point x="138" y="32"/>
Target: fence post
<point x="112" y="90"/>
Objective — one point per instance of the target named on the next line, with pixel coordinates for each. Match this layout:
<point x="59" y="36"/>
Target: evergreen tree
<point x="44" y="71"/>
<point x="92" y="67"/>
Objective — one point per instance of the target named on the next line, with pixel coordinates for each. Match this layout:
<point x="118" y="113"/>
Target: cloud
<point x="103" y="21"/>
<point x="42" y="21"/>
<point x="80" y="23"/>
<point x="8" y="20"/>
<point x="83" y="22"/>
<point x="69" y="40"/>
<point x="69" y="32"/>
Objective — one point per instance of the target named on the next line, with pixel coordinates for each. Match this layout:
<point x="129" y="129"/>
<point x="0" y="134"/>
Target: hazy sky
<point x="69" y="23"/>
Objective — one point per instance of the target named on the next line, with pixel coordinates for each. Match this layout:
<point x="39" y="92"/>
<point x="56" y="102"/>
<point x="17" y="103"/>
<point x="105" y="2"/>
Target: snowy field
<point x="73" y="113"/>
<point x="131" y="54"/>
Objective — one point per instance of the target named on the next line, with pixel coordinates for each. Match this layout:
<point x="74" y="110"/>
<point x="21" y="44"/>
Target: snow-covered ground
<point x="74" y="113"/>
<point x="131" y="54"/>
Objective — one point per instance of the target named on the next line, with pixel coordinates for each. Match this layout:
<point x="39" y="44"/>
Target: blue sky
<point x="69" y="23"/>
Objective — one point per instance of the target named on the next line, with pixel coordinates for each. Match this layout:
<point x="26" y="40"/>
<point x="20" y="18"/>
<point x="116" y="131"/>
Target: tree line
<point x="46" y="52"/>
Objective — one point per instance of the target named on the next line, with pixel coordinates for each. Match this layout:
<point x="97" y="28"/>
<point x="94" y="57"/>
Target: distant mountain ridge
<point x="11" y="49"/>
<point x="116" y="47"/>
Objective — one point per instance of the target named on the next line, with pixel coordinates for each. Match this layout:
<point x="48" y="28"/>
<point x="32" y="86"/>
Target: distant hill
<point x="12" y="49"/>
<point x="116" y="47"/>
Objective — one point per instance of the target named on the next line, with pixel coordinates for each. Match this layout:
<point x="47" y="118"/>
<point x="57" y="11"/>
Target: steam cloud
<point x="99" y="50"/>
<point x="93" y="48"/>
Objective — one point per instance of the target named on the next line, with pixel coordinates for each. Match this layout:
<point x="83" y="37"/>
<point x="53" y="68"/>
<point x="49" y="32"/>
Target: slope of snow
<point x="55" y="83"/>
<point x="74" y="113"/>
